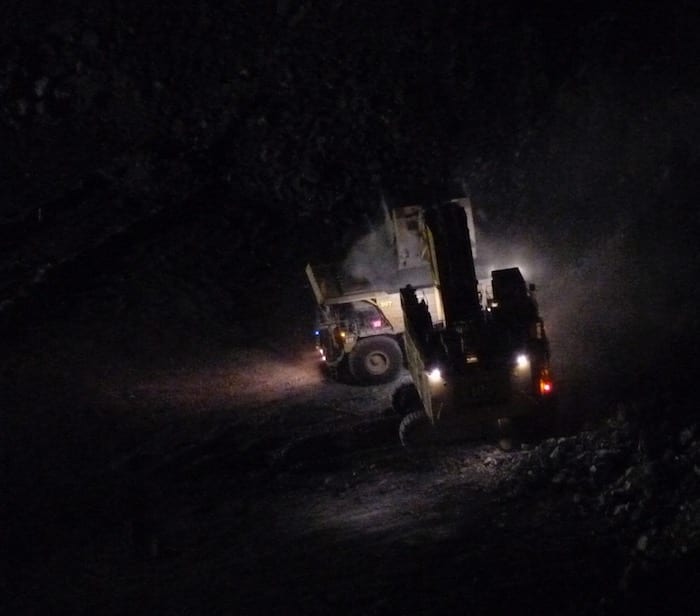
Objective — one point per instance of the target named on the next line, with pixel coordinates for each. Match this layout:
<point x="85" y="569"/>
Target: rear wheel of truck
<point x="416" y="431"/>
<point x="375" y="360"/>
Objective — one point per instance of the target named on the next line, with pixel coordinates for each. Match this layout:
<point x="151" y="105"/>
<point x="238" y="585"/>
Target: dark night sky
<point x="572" y="127"/>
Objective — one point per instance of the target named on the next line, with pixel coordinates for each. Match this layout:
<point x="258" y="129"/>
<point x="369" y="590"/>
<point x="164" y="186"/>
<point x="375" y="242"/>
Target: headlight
<point x="522" y="361"/>
<point x="435" y="376"/>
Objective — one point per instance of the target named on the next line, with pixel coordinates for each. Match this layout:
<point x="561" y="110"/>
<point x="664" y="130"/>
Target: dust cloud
<point x="604" y="315"/>
<point x="372" y="258"/>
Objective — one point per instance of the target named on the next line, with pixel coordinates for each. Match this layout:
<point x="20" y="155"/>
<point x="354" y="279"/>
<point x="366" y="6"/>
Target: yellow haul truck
<point x="360" y="321"/>
<point x="487" y="360"/>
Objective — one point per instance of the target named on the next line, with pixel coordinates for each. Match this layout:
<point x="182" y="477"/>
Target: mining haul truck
<point x="360" y="321"/>
<point x="487" y="361"/>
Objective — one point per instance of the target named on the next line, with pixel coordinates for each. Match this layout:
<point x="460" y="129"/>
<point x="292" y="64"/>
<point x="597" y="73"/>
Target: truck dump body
<point x="332" y="285"/>
<point x="453" y="264"/>
<point x="343" y="298"/>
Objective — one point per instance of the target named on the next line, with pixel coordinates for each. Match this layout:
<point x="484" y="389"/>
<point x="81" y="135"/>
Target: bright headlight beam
<point x="522" y="361"/>
<point x="435" y="376"/>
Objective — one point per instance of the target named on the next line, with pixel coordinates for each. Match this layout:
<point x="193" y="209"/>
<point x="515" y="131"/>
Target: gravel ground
<point x="293" y="495"/>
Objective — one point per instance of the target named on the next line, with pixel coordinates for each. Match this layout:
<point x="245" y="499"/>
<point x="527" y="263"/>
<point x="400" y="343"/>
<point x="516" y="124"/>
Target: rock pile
<point x="641" y="480"/>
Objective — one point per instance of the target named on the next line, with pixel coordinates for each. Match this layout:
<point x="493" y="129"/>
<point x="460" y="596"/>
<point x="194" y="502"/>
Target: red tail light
<point x="546" y="385"/>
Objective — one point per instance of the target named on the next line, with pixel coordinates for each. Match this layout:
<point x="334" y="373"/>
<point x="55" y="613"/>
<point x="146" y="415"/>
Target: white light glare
<point x="435" y="376"/>
<point x="522" y="361"/>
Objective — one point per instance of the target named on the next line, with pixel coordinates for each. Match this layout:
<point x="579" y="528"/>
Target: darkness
<point x="168" y="168"/>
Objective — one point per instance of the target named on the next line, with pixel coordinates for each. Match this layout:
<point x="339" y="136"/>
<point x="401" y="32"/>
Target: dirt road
<point x="259" y="487"/>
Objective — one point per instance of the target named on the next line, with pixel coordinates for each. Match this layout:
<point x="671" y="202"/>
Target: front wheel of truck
<point x="375" y="360"/>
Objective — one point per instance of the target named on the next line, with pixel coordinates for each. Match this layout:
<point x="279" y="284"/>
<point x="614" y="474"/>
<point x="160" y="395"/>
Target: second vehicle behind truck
<point x="360" y="320"/>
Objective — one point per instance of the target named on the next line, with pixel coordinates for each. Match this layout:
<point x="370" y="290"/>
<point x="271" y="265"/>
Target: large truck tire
<point x="414" y="430"/>
<point x="375" y="360"/>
